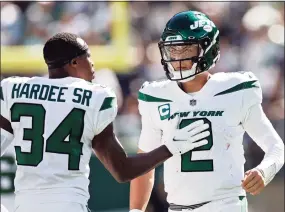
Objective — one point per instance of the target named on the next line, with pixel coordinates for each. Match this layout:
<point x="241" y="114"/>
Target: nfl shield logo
<point x="193" y="102"/>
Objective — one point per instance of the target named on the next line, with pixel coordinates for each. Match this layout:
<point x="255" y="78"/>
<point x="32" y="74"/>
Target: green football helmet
<point x="183" y="33"/>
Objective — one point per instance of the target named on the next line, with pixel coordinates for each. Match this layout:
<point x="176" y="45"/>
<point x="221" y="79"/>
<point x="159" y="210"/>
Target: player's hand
<point x="136" y="210"/>
<point x="253" y="182"/>
<point x="188" y="138"/>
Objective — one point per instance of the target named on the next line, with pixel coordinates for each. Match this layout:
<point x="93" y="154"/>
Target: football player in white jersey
<point x="54" y="123"/>
<point x="209" y="178"/>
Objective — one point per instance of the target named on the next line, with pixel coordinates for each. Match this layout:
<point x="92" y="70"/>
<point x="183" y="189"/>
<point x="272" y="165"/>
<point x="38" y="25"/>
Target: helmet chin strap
<point x="186" y="73"/>
<point x="176" y="75"/>
<point x="188" y="79"/>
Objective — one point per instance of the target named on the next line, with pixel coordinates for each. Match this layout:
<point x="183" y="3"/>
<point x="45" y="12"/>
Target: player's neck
<point x="196" y="84"/>
<point x="57" y="74"/>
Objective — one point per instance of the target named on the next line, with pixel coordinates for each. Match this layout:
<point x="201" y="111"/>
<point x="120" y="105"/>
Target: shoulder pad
<point x="236" y="77"/>
<point x="148" y="86"/>
<point x="251" y="96"/>
<point x="237" y="81"/>
<point x="154" y="91"/>
<point x="6" y="82"/>
<point x="15" y="79"/>
<point x="249" y="80"/>
<point x="103" y="91"/>
<point x="247" y="75"/>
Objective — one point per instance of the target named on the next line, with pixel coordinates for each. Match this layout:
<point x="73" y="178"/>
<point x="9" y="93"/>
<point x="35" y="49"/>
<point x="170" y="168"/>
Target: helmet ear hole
<point x="205" y="43"/>
<point x="202" y="64"/>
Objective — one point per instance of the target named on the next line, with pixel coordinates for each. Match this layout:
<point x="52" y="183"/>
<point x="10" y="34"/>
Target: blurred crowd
<point x="251" y="37"/>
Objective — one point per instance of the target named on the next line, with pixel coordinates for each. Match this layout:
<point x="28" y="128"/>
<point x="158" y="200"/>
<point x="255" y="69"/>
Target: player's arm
<point x="262" y="132"/>
<point x="110" y="152"/>
<point x="150" y="138"/>
<point x="140" y="190"/>
<point x="5" y="125"/>
<point x="125" y="168"/>
<point x="259" y="128"/>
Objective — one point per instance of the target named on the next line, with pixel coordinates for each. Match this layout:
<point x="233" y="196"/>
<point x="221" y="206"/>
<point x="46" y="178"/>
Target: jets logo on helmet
<point x="189" y="37"/>
<point x="202" y="23"/>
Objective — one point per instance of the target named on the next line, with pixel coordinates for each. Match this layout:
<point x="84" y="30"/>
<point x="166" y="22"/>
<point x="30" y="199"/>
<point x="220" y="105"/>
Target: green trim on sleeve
<point x="107" y="103"/>
<point x="241" y="86"/>
<point x="149" y="98"/>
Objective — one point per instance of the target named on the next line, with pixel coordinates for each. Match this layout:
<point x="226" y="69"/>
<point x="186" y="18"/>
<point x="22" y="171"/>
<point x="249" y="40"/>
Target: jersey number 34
<point x="189" y="165"/>
<point x="72" y="126"/>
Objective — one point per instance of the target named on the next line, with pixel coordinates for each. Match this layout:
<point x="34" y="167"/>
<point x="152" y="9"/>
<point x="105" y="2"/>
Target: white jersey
<point x="212" y="171"/>
<point x="54" y="122"/>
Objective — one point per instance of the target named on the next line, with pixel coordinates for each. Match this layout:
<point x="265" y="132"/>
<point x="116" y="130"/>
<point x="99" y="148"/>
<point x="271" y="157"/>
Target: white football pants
<point x="52" y="207"/>
<point x="231" y="204"/>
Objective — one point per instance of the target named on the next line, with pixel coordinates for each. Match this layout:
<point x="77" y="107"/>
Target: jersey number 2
<point x="189" y="165"/>
<point x="71" y="126"/>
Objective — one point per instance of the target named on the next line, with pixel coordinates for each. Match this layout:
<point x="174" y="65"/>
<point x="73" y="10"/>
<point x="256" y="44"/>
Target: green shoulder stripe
<point x="149" y="98"/>
<point x="241" y="86"/>
<point x="107" y="103"/>
<point x="1" y="94"/>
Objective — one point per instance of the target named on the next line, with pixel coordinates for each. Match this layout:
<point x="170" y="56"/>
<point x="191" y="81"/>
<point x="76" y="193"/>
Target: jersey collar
<point x="203" y="93"/>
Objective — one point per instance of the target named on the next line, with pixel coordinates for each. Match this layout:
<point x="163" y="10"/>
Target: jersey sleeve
<point x="252" y="94"/>
<point x="260" y="129"/>
<point x="150" y="137"/>
<point x="4" y="99"/>
<point x="107" y="110"/>
<point x="265" y="136"/>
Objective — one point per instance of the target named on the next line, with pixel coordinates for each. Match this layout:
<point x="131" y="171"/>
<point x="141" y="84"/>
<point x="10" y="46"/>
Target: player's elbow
<point x="121" y="177"/>
<point x="120" y="173"/>
<point x="123" y="180"/>
<point x="125" y="176"/>
<point x="128" y="176"/>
